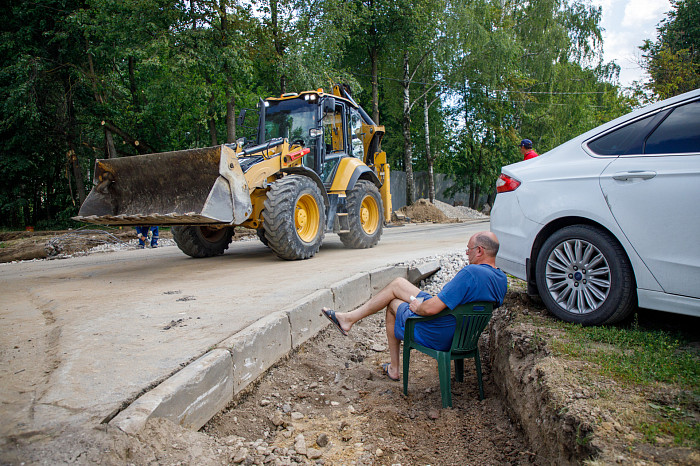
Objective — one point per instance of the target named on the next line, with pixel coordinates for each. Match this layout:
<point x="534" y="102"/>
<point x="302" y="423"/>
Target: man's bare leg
<point x="394" y="343"/>
<point x="399" y="288"/>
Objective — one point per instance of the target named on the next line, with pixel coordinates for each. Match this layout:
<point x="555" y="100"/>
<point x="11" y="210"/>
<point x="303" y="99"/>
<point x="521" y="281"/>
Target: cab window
<point x="333" y="130"/>
<point x="355" y="133"/>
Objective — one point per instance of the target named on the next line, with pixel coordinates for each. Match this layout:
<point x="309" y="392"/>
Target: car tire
<point x="584" y="276"/>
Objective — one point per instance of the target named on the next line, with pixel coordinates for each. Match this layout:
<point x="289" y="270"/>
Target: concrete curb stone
<point x="257" y="347"/>
<point x="305" y="317"/>
<point x="423" y="271"/>
<point x="351" y="292"/>
<point x="379" y="278"/>
<point x="189" y="398"/>
<point x="196" y="393"/>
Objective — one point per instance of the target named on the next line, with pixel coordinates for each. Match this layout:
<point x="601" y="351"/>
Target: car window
<point x="626" y="140"/>
<point x="677" y="134"/>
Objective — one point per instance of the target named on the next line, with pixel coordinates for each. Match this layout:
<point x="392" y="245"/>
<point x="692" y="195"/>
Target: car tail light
<point x="506" y="184"/>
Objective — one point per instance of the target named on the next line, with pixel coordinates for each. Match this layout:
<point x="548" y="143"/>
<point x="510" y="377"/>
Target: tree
<point x="41" y="98"/>
<point x="673" y="61"/>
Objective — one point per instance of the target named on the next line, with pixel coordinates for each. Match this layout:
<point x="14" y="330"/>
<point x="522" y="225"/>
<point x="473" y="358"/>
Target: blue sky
<point x="627" y="23"/>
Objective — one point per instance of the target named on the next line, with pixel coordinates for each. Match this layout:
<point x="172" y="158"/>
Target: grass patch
<point x="651" y="359"/>
<point x="635" y="355"/>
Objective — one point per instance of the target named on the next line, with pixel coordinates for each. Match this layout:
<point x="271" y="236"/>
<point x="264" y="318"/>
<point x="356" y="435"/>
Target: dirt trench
<point x="332" y="402"/>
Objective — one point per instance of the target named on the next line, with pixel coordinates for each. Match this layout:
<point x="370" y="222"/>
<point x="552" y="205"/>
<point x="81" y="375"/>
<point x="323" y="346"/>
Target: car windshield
<point x="289" y="119"/>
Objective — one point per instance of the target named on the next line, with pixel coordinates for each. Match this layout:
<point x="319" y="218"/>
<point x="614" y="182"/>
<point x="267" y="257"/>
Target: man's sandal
<point x="330" y="315"/>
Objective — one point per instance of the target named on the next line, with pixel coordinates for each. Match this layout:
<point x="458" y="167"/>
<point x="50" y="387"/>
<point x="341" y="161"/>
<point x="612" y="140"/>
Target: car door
<point x="655" y="199"/>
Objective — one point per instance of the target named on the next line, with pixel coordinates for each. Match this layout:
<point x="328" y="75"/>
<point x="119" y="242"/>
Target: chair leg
<point x="477" y="363"/>
<point x="444" y="373"/>
<point x="406" y="362"/>
<point x="459" y="370"/>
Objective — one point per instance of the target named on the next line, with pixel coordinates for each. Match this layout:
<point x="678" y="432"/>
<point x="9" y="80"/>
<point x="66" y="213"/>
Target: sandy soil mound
<point x="423" y="211"/>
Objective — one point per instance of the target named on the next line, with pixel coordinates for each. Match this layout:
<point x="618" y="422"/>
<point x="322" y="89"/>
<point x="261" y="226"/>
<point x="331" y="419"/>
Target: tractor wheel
<point x="261" y="236"/>
<point x="365" y="216"/>
<point x="202" y="241"/>
<point x="294" y="218"/>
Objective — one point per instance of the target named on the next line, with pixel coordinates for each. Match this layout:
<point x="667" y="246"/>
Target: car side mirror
<point x="315" y="132"/>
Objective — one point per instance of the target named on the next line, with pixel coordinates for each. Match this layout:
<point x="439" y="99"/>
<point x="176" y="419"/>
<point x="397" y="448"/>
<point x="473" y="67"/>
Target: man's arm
<point x="427" y="308"/>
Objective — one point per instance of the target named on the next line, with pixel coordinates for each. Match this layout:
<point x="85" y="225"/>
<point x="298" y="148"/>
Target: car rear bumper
<point x="515" y="233"/>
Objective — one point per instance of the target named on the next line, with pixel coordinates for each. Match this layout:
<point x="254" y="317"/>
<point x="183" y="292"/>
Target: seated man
<point x="480" y="280"/>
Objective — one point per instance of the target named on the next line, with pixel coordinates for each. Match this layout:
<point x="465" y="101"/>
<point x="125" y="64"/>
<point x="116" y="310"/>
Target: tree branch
<point x="141" y="147"/>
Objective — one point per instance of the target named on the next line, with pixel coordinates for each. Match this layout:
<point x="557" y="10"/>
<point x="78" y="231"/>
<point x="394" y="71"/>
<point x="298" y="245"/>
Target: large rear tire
<point x="294" y="218"/>
<point x="583" y="276"/>
<point x="365" y="216"/>
<point x="202" y="241"/>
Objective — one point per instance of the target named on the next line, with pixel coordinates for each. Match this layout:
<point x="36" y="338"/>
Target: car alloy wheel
<point x="584" y="276"/>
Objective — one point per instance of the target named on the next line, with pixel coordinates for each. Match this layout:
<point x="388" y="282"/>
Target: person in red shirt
<point x="526" y="149"/>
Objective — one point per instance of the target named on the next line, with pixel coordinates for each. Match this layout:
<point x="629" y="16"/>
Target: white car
<point x="610" y="219"/>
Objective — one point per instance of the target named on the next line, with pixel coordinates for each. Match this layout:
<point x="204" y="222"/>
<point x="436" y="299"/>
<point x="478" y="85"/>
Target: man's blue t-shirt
<point x="476" y="282"/>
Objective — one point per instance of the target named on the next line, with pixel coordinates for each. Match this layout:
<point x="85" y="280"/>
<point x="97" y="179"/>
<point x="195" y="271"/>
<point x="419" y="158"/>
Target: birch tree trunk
<point x="428" y="157"/>
<point x="406" y="125"/>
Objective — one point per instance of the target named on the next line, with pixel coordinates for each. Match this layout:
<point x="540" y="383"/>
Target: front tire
<point x="583" y="276"/>
<point x="365" y="216"/>
<point x="202" y="241"/>
<point x="294" y="217"/>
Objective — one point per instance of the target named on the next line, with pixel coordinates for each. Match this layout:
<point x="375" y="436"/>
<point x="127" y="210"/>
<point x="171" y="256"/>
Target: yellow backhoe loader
<point x="316" y="166"/>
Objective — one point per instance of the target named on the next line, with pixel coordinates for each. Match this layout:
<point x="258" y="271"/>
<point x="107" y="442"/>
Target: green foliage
<point x="158" y="75"/>
<point x="673" y="61"/>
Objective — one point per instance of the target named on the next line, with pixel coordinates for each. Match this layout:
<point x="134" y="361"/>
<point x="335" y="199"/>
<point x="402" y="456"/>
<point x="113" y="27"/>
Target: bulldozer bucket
<point x="195" y="186"/>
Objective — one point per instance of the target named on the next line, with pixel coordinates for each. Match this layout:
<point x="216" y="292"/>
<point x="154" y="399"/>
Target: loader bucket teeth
<point x="196" y="186"/>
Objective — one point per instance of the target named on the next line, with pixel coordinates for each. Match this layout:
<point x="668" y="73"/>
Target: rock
<point x="313" y="453"/>
<point x="296" y="415"/>
<point x="433" y="414"/>
<point x="351" y="410"/>
<point x="322" y="440"/>
<point x="286" y="408"/>
<point x="378" y="348"/>
<point x="300" y="444"/>
<point x="264" y="402"/>
<point x="277" y="419"/>
<point x="240" y="456"/>
<point x="379" y="452"/>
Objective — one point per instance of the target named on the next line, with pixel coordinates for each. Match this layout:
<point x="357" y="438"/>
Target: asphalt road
<point x="82" y="336"/>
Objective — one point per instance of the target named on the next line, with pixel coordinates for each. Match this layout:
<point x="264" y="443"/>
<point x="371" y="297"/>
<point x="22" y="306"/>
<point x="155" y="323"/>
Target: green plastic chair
<point x="471" y="320"/>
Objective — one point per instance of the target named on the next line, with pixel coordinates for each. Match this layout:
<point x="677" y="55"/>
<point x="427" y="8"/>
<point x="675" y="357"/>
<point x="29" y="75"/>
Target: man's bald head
<point x="488" y="241"/>
<point x="482" y="248"/>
